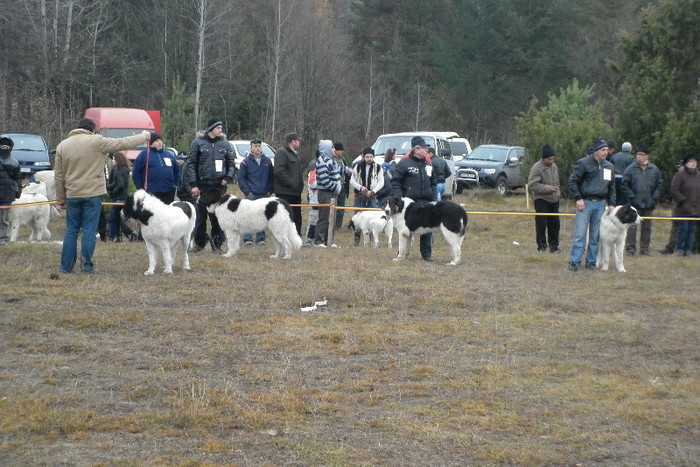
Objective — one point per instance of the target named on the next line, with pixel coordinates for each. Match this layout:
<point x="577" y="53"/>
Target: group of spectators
<point x="600" y="181"/>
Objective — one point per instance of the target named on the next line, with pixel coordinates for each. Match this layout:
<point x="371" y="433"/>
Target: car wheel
<point x="501" y="185"/>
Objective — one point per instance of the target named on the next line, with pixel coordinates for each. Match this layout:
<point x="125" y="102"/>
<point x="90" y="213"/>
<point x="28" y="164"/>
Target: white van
<point x="402" y="143"/>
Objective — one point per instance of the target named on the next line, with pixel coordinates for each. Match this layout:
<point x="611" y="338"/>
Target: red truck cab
<point x="115" y="122"/>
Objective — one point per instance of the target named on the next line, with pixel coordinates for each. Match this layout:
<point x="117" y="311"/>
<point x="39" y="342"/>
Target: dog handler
<point x="80" y="186"/>
<point x="591" y="184"/>
<point x="415" y="178"/>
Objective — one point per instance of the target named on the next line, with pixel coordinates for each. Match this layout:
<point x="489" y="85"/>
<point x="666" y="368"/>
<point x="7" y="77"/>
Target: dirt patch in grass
<point x="505" y="359"/>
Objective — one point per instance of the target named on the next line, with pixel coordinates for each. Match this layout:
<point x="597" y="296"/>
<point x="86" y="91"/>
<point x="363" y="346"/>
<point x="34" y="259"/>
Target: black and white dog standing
<point x="244" y="216"/>
<point x="443" y="216"/>
<point x="612" y="235"/>
<point x="368" y="224"/>
<point x="164" y="226"/>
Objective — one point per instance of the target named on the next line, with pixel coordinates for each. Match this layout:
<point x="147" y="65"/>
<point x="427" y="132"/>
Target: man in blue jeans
<point x="591" y="184"/>
<point x="256" y="180"/>
<point x="80" y="185"/>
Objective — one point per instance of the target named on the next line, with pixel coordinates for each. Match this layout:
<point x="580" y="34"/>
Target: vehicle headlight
<point x="43" y="164"/>
<point x="490" y="171"/>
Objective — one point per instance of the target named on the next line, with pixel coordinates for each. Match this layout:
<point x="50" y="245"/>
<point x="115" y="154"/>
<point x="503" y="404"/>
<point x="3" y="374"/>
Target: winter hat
<point x="6" y="143"/>
<point x="643" y="148"/>
<point x="255" y="141"/>
<point x="289" y="137"/>
<point x="213" y="123"/>
<point x="626" y="146"/>
<point x="338" y="146"/>
<point x="547" y="151"/>
<point x="155" y="137"/>
<point x="418" y="141"/>
<point x="368" y="151"/>
<point x="612" y="143"/>
<point x="689" y="157"/>
<point x="599" y="144"/>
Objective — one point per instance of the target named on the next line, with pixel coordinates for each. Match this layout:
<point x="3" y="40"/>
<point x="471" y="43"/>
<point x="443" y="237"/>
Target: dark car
<point x="31" y="152"/>
<point x="491" y="165"/>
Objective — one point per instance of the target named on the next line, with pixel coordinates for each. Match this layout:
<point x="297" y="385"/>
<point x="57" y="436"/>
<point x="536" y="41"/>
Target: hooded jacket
<point x="10" y="179"/>
<point x="80" y="163"/>
<point x="685" y="189"/>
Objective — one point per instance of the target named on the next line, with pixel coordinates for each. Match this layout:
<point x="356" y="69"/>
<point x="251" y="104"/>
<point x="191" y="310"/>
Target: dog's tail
<point x="294" y="237"/>
<point x="351" y="225"/>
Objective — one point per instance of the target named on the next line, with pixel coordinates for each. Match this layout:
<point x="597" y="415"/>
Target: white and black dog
<point x="421" y="218"/>
<point x="612" y="235"/>
<point x="244" y="216"/>
<point x="368" y="224"/>
<point x="36" y="217"/>
<point x="164" y="226"/>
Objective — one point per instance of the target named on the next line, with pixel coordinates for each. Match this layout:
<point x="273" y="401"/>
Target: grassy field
<point x="507" y="358"/>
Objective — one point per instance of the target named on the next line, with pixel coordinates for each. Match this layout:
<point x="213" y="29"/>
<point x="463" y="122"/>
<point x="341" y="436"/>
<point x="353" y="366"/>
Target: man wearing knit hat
<point x="156" y="171"/>
<point x="621" y="160"/>
<point x="10" y="184"/>
<point x="210" y="169"/>
<point x="641" y="185"/>
<point x="543" y="180"/>
<point x="591" y="184"/>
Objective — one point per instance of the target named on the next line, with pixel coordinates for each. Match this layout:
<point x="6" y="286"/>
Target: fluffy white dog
<point x="164" y="226"/>
<point x="370" y="224"/>
<point x="612" y="235"/>
<point x="35" y="217"/>
<point x="243" y="216"/>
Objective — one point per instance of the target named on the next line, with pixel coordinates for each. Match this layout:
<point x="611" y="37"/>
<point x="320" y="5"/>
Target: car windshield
<point x="487" y="154"/>
<point x="28" y="143"/>
<point x="122" y="133"/>
<point x="402" y="144"/>
<point x="243" y="149"/>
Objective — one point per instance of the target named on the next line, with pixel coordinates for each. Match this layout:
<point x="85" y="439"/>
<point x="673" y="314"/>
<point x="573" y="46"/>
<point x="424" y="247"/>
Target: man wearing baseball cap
<point x="591" y="184"/>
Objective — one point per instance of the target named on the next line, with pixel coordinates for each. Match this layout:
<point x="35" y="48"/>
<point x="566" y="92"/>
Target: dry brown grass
<point x="505" y="359"/>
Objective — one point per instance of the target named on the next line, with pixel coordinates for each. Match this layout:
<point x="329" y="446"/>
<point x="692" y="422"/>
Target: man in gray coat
<point x="641" y="184"/>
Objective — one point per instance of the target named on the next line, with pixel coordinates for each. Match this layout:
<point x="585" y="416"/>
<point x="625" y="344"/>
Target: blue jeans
<point x="81" y="213"/>
<point x="440" y="191"/>
<point x="587" y="220"/>
<point x="260" y="236"/>
<point x="686" y="236"/>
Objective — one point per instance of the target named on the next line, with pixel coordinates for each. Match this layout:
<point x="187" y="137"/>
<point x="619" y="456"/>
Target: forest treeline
<point x="350" y="70"/>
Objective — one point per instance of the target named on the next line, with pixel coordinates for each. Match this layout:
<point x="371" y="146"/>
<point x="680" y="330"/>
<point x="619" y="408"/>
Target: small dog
<point x="164" y="226"/>
<point x="35" y="217"/>
<point x="372" y="223"/>
<point x="244" y="216"/>
<point x="413" y="218"/>
<point x="612" y="235"/>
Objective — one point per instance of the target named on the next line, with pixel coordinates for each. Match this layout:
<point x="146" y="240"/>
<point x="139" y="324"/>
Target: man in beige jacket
<point x="80" y="185"/>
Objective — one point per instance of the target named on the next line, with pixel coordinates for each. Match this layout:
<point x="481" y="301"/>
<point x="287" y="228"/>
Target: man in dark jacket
<point x="10" y="184"/>
<point x="641" y="184"/>
<point x="210" y="168"/>
<point x="414" y="178"/>
<point x="591" y="184"/>
<point x="289" y="181"/>
<point x="256" y="180"/>
<point x="442" y="172"/>
<point x="621" y="160"/>
<point x="160" y="167"/>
